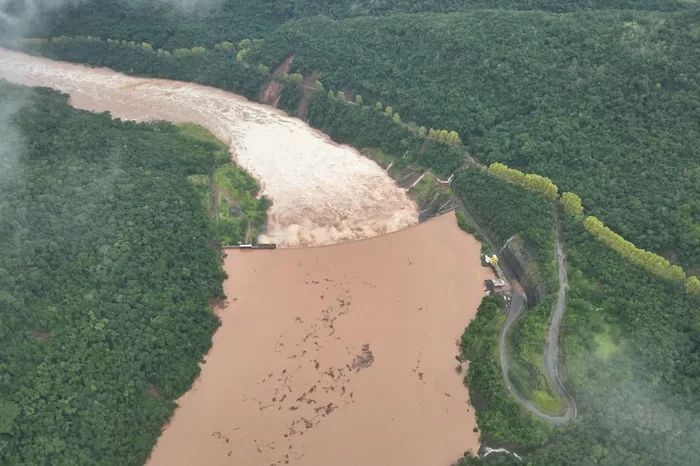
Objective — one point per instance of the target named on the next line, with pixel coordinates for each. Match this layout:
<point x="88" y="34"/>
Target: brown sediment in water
<point x="340" y="355"/>
<point x="322" y="193"/>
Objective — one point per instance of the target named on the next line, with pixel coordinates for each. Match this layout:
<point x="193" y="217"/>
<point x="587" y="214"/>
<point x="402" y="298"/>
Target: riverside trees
<point x="601" y="101"/>
<point x="219" y="66"/>
<point x="620" y="320"/>
<point x="106" y="274"/>
<point x="568" y="96"/>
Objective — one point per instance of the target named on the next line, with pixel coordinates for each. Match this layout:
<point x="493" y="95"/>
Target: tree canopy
<point x="108" y="264"/>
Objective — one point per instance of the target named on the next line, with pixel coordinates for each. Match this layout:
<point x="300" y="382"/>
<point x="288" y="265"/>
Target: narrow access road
<point x="551" y="353"/>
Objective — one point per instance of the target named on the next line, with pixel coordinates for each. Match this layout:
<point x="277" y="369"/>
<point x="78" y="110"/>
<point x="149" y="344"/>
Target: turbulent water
<point x="322" y="193"/>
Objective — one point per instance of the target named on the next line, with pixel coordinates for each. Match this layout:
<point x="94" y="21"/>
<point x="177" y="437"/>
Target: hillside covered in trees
<point x="602" y="97"/>
<point x="629" y="342"/>
<point x="108" y="266"/>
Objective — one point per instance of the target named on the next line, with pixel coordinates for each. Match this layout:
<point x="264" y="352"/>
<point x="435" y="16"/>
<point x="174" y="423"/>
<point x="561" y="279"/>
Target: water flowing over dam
<point x="322" y="192"/>
<point x="342" y="354"/>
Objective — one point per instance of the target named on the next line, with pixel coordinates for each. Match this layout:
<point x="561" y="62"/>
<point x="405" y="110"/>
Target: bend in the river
<point x="322" y="193"/>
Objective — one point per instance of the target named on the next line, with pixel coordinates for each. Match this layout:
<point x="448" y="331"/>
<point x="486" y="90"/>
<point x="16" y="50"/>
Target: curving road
<point x="551" y="353"/>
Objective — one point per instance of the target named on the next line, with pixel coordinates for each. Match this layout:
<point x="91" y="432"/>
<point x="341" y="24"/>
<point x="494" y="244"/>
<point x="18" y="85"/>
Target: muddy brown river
<point x="338" y="355"/>
<point x="322" y="193"/>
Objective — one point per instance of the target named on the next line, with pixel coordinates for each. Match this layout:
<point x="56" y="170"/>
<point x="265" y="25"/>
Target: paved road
<point x="551" y="354"/>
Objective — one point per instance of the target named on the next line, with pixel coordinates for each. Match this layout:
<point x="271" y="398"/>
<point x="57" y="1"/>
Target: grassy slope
<point x="229" y="194"/>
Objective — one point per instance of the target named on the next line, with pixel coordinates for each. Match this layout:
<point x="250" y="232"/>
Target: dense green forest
<point x="207" y="22"/>
<point x="601" y="96"/>
<point x="605" y="104"/>
<point x="108" y="265"/>
<point x="630" y="344"/>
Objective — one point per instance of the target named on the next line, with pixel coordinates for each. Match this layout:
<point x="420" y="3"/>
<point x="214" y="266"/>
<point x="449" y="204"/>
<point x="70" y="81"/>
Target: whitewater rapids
<point x="322" y="192"/>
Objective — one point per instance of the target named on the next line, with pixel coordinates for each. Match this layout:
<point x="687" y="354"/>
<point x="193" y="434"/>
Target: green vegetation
<point x="629" y="348"/>
<point x="649" y="371"/>
<point x="596" y="97"/>
<point x="603" y="103"/>
<point x="431" y="197"/>
<point x="108" y="264"/>
<point x="527" y="343"/>
<point x="383" y="159"/>
<point x="500" y="417"/>
<point x="487" y="197"/>
<point x="345" y="121"/>
<point x="464" y="223"/>
<point x="534" y="183"/>
<point x="228" y="194"/>
<point x="216" y="66"/>
<point x="225" y="20"/>
<point x="653" y="263"/>
<point x="240" y="216"/>
<point x="367" y="126"/>
<point x="572" y="204"/>
<point x="605" y="347"/>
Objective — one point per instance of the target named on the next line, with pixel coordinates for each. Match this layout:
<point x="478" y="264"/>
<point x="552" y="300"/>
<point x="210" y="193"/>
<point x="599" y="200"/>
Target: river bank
<point x="351" y="358"/>
<point x="322" y="192"/>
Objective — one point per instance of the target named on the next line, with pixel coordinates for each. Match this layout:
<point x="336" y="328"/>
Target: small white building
<point x="495" y="285"/>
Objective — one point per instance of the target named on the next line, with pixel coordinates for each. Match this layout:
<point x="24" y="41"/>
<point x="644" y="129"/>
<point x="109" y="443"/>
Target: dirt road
<point x="551" y="354"/>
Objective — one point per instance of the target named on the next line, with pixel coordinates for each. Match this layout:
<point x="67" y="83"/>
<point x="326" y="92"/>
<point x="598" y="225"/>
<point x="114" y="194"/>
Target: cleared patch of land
<point x="339" y="355"/>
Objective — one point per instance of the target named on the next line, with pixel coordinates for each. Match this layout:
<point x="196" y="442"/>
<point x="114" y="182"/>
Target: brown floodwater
<point x="341" y="355"/>
<point x="322" y="192"/>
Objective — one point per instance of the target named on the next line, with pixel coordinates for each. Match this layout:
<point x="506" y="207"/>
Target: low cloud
<point x="11" y="145"/>
<point x="17" y="16"/>
<point x="193" y="4"/>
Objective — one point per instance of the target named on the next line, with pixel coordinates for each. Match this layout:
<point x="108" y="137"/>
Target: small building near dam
<point x="494" y="285"/>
